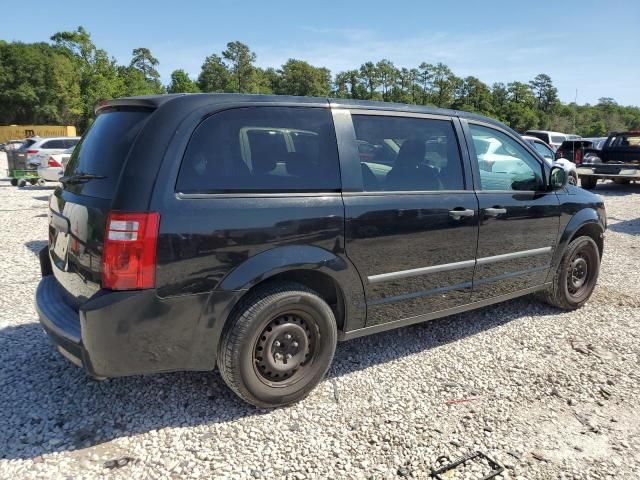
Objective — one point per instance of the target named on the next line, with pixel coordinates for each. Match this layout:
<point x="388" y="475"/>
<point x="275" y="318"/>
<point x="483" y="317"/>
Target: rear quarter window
<point x="262" y="149"/>
<point x="102" y="151"/>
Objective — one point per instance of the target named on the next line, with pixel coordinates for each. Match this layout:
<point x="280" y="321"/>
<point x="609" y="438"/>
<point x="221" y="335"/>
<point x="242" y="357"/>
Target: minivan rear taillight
<point x="129" y="256"/>
<point x="53" y="162"/>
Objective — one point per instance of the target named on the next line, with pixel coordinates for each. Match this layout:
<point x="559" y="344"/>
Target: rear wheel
<point x="588" y="182"/>
<point x="14" y="182"/>
<point x="33" y="181"/>
<point x="278" y="345"/>
<point x="576" y="276"/>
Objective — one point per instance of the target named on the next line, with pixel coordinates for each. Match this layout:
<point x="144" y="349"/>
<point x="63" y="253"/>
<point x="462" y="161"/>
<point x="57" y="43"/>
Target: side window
<point x="503" y="163"/>
<point x="70" y="142"/>
<point x="52" y="144"/>
<point x="543" y="150"/>
<point x="262" y="149"/>
<point x="407" y="154"/>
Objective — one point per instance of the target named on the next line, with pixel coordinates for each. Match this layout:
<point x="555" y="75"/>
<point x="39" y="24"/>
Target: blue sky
<point x="586" y="45"/>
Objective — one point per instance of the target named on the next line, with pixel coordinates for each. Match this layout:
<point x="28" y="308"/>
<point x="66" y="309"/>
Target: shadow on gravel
<point x="36" y="245"/>
<point x="630" y="227"/>
<point x="610" y="189"/>
<point x="49" y="405"/>
<point x="44" y="198"/>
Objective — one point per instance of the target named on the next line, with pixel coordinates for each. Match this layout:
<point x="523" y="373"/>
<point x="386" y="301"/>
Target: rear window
<point x="102" y="151"/>
<point x="262" y="149"/>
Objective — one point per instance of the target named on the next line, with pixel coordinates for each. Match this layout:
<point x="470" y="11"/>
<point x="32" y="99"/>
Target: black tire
<point x="576" y="276"/>
<point x="261" y="325"/>
<point x="22" y="183"/>
<point x="588" y="183"/>
<point x="573" y="179"/>
<point x="14" y="182"/>
<point x="621" y="181"/>
<point x="33" y="181"/>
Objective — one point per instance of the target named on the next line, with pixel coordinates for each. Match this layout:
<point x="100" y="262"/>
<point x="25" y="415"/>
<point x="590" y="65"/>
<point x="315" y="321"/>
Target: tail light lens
<point x="129" y="257"/>
<point x="32" y="152"/>
<point x="578" y="157"/>
<point x="53" y="162"/>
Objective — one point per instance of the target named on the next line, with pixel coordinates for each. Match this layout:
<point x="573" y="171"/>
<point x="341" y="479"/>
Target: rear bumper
<point x="127" y="333"/>
<point x="631" y="172"/>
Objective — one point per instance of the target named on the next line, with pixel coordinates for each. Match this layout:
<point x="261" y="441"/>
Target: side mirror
<point x="558" y="178"/>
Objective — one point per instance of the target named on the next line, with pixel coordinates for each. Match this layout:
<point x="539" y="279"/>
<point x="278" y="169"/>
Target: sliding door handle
<point x="457" y="214"/>
<point x="495" y="211"/>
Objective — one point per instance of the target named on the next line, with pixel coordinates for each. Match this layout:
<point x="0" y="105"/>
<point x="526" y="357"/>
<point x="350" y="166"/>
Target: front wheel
<point x="573" y="179"/>
<point x="589" y="182"/>
<point x="278" y="345"/>
<point x="576" y="276"/>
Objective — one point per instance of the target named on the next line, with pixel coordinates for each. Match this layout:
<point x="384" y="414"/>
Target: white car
<point x="38" y="149"/>
<point x="547" y="153"/>
<point x="52" y="170"/>
<point x="553" y="139"/>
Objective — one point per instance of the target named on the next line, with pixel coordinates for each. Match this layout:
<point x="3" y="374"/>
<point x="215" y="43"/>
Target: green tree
<point x="370" y="78"/>
<point x="444" y="85"/>
<point x="387" y="78"/>
<point x="181" y="83"/>
<point x="297" y="77"/>
<point x="241" y="60"/>
<point x="214" y="75"/>
<point x="98" y="73"/>
<point x="146" y="63"/>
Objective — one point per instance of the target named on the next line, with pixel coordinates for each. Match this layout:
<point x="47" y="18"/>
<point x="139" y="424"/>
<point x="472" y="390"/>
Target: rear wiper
<point x="79" y="178"/>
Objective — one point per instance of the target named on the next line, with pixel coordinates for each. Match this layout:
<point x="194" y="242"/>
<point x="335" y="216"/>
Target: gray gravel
<point x="545" y="393"/>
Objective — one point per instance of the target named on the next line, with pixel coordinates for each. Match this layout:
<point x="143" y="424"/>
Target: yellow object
<point x="18" y="132"/>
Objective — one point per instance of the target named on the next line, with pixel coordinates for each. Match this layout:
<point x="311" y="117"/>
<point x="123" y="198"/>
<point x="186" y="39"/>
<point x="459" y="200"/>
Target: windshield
<point x="102" y="151"/>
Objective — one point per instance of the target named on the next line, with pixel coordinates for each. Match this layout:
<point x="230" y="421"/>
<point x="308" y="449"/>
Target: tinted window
<point x="262" y="149"/>
<point x="26" y="144"/>
<point x="407" y="154"/>
<point x="102" y="151"/>
<point x="70" y="142"/>
<point x="557" y="139"/>
<point x="626" y="141"/>
<point x="503" y="163"/>
<point x="53" y="144"/>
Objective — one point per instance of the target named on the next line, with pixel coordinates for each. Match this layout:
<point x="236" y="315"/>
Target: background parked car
<point x="546" y="152"/>
<point x="12" y="145"/>
<point x="38" y="149"/>
<point x="553" y="139"/>
<point x="54" y="167"/>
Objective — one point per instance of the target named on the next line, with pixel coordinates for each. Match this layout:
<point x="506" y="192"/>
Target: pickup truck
<point x="618" y="160"/>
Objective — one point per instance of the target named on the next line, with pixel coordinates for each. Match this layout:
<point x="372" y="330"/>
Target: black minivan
<point x="252" y="233"/>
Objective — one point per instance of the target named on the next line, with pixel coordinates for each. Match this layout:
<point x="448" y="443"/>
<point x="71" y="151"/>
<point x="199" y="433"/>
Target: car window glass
<point x="407" y="154"/>
<point x="50" y="144"/>
<point x="543" y="150"/>
<point x="557" y="139"/>
<point x="504" y="164"/>
<point x="262" y="149"/>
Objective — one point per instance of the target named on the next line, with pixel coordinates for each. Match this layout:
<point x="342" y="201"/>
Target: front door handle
<point x="457" y="214"/>
<point x="495" y="211"/>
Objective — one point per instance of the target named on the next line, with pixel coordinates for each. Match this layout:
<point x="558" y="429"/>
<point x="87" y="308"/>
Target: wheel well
<point x="592" y="230"/>
<point x="326" y="287"/>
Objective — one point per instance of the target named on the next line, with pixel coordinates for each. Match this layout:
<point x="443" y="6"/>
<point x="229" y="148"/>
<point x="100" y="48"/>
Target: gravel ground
<point x="547" y="394"/>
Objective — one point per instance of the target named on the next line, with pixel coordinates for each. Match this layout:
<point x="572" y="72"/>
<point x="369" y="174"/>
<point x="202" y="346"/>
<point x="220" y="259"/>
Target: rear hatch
<point x="80" y="207"/>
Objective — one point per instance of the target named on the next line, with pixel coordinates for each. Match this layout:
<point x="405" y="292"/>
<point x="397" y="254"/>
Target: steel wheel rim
<point x="286" y="349"/>
<point x="579" y="273"/>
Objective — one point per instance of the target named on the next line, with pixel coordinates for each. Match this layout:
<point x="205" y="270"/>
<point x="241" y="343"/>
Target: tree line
<point x="60" y="82"/>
